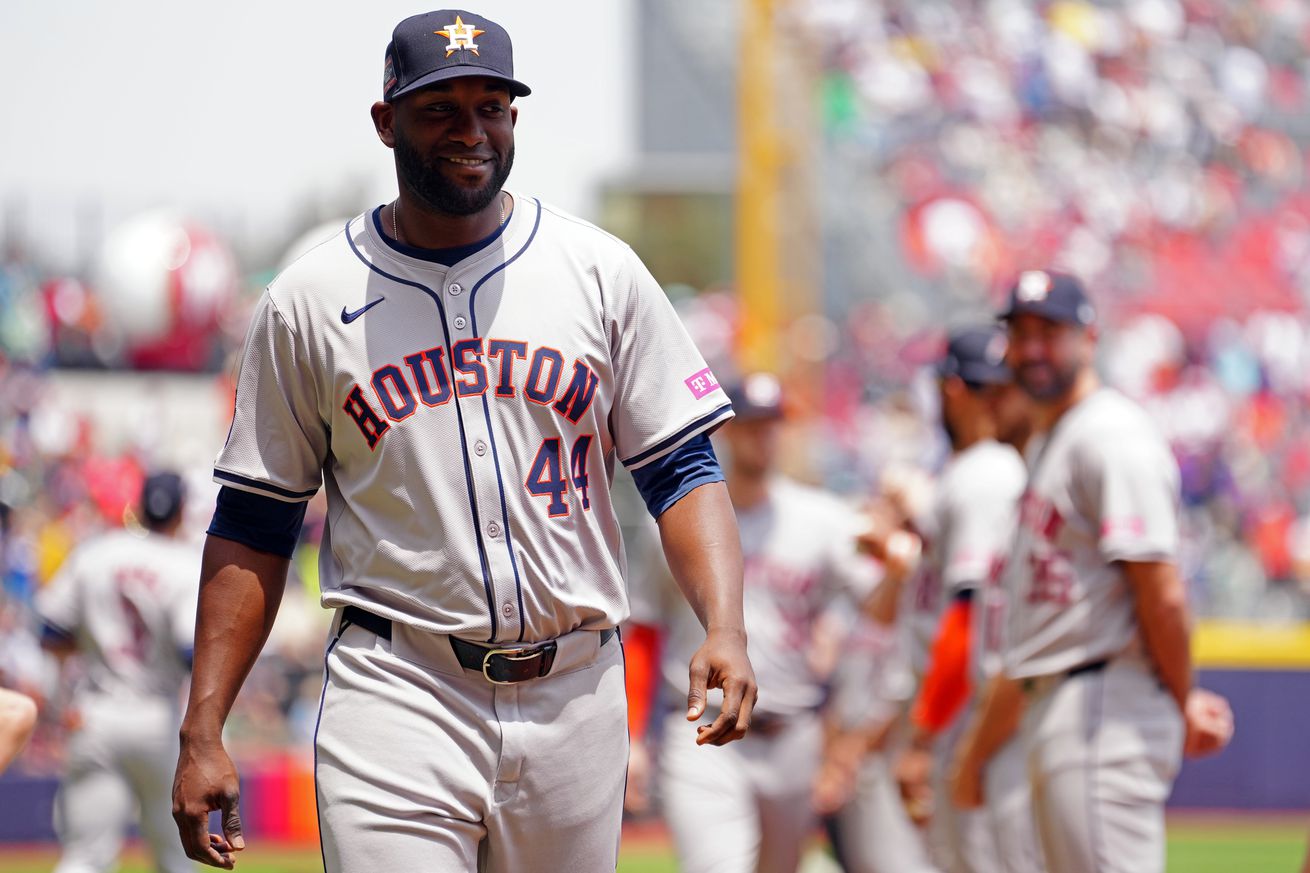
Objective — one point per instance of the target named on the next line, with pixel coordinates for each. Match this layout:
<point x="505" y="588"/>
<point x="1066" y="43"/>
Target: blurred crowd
<point x="1157" y="148"/>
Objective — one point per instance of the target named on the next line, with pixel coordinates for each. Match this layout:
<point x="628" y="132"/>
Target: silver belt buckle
<point x="511" y="654"/>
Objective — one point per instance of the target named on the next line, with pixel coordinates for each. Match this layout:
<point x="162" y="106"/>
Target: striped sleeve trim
<point x="53" y="633"/>
<point x="225" y="478"/>
<point x="705" y="424"/>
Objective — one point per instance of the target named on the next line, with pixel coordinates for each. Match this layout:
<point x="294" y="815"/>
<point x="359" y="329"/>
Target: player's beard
<point x="426" y="179"/>
<point x="1046" y="382"/>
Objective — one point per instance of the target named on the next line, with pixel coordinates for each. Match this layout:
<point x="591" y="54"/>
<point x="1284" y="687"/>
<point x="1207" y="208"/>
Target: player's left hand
<point x="721" y="662"/>
<point x="1209" y="721"/>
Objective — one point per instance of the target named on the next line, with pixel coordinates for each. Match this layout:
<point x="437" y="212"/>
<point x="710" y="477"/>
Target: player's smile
<point x="454" y="143"/>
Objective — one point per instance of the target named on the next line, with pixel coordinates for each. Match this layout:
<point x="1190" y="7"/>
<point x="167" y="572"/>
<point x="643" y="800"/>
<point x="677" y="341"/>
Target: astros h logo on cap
<point x="461" y="36"/>
<point x="438" y="46"/>
<point x="1034" y="285"/>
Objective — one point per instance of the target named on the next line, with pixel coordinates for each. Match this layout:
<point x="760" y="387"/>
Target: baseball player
<point x="1097" y="619"/>
<point x="125" y="603"/>
<point x="17" y="721"/>
<point x="964" y="535"/>
<point x="866" y="818"/>
<point x="747" y="807"/>
<point x="460" y="369"/>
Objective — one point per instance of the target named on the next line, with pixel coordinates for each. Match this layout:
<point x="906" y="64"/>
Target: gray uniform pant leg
<point x="876" y="834"/>
<point x="421" y="765"/>
<point x="744" y="807"/>
<point x="1103" y="750"/>
<point x="122" y="759"/>
<point x="1009" y="810"/>
<point x="961" y="840"/>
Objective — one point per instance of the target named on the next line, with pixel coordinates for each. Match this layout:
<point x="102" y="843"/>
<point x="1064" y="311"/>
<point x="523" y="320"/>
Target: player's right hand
<point x="913" y="773"/>
<point x="721" y="662"/>
<point x="1209" y="721"/>
<point x="206" y="780"/>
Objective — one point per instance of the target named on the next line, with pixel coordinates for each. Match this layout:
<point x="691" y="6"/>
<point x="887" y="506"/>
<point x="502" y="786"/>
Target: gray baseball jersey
<point x="130" y="603"/>
<point x="1103" y="487"/>
<point x="799" y="555"/>
<point x="460" y="416"/>
<point x="966" y="533"/>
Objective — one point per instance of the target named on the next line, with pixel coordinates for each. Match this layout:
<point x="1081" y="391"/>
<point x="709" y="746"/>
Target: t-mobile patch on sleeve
<point x="701" y="383"/>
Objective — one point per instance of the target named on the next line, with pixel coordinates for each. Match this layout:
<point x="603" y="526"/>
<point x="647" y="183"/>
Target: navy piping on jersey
<point x="264" y="486"/>
<point x="463" y="442"/>
<point x="55" y="635"/>
<point x="322" y="698"/>
<point x="444" y="257"/>
<point x="486" y="412"/>
<point x="677" y="437"/>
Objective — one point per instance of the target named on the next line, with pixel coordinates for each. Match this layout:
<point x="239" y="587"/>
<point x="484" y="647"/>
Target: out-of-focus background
<point x="821" y="195"/>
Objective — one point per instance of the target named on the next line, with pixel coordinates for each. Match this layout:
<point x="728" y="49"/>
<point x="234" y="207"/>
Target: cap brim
<point x="1049" y="313"/>
<point x="460" y="71"/>
<point x="978" y="373"/>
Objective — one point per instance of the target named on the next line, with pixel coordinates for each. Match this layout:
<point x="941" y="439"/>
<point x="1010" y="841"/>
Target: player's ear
<point x="513" y="115"/>
<point x="953" y="387"/>
<point x="384" y="117"/>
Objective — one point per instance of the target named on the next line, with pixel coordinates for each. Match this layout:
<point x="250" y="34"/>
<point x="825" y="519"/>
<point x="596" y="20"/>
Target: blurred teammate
<point x="126" y="604"/>
<point x="746" y="807"/>
<point x="17" y="720"/>
<point x="965" y="535"/>
<point x="1097" y="626"/>
<point x="866" y="817"/>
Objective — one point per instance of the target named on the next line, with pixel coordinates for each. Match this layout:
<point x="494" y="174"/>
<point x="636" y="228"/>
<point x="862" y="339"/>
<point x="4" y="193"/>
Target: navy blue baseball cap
<point x="1053" y="296"/>
<point x="161" y="497"/>
<point x="447" y="44"/>
<point x="758" y="395"/>
<point x="977" y="356"/>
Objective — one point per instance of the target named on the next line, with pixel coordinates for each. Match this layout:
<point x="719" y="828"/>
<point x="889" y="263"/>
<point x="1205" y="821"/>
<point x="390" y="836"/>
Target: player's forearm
<point x="240" y="591"/>
<point x="1161" y="605"/>
<point x="703" y="550"/>
<point x="996" y="721"/>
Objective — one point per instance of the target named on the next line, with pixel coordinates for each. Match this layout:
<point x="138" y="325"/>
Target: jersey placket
<point x="488" y="484"/>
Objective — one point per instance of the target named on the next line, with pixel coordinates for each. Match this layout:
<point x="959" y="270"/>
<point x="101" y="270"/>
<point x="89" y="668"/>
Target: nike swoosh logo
<point x="348" y="317"/>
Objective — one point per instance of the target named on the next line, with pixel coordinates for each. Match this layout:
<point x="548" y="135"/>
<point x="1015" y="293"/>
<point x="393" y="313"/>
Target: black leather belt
<point x="502" y="665"/>
<point x="1089" y="667"/>
<point x="1035" y="683"/>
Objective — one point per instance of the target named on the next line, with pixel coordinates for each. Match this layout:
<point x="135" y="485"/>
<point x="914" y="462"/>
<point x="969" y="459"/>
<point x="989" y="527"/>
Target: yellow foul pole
<point x="758" y="236"/>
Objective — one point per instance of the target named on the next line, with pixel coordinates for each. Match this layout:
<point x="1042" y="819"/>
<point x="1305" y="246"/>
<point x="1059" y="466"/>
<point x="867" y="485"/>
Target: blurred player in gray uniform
<point x="460" y="370"/>
<point x="965" y="535"/>
<point x="1003" y="772"/>
<point x="125" y="603"/>
<point x="746" y="807"/>
<point x="1097" y="626"/>
<point x="866" y="817"/>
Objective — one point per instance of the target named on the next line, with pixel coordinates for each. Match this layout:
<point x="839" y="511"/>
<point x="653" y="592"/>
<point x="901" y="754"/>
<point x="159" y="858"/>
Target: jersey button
<point x="493" y="529"/>
<point x="479" y="448"/>
<point x="507" y="610"/>
<point x="460" y="321"/>
<point x="456" y="289"/>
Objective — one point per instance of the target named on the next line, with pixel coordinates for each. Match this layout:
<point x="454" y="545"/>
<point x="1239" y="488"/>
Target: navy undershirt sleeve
<point x="664" y="482"/>
<point x="256" y="520"/>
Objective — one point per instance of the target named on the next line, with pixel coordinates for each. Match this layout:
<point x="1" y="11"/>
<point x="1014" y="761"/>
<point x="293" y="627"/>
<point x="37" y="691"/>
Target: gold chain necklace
<point x="395" y="228"/>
